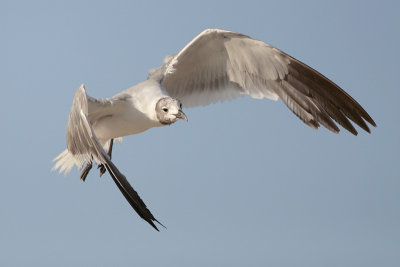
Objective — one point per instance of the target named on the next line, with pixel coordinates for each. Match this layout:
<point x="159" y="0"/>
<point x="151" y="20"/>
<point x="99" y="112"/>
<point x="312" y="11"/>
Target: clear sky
<point x="243" y="183"/>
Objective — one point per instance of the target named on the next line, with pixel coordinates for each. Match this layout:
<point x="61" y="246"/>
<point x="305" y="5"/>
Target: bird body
<point x="215" y="66"/>
<point x="129" y="112"/>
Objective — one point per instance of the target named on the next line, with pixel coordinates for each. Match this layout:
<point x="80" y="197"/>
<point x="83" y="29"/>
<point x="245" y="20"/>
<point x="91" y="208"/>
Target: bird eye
<point x="165" y="109"/>
<point x="180" y="105"/>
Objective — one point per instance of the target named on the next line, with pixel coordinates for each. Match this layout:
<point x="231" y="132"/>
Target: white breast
<point x="138" y="114"/>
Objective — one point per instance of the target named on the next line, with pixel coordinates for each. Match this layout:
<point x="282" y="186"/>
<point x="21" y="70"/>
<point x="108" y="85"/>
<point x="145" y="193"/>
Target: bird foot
<point x="86" y="171"/>
<point x="102" y="169"/>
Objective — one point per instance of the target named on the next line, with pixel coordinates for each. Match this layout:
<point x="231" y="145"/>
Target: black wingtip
<point x="153" y="225"/>
<point x="160" y="224"/>
<point x="151" y="222"/>
<point x="131" y="195"/>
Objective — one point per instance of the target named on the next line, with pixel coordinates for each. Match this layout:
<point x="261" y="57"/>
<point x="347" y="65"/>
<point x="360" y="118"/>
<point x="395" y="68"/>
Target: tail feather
<point x="64" y="162"/>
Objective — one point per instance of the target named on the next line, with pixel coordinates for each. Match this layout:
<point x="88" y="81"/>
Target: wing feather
<point x="221" y="65"/>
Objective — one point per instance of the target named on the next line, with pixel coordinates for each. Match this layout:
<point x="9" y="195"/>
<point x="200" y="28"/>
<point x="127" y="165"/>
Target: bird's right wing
<point x="83" y="144"/>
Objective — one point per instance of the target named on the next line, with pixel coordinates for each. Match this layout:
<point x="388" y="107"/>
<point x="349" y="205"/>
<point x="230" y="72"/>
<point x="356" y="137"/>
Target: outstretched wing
<point x="219" y="65"/>
<point x="84" y="145"/>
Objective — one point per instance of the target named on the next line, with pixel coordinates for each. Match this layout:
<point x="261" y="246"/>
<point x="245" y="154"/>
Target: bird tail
<point x="64" y="162"/>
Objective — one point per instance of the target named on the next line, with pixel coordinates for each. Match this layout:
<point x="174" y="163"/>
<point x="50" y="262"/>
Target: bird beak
<point x="181" y="115"/>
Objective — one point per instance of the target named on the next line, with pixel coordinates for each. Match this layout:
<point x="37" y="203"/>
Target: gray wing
<point x="220" y="65"/>
<point x="84" y="145"/>
<point x="100" y="108"/>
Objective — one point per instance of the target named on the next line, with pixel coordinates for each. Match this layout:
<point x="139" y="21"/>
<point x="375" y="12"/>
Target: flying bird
<point x="215" y="66"/>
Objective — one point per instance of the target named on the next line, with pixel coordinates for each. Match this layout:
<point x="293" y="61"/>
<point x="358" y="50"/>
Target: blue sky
<point x="244" y="183"/>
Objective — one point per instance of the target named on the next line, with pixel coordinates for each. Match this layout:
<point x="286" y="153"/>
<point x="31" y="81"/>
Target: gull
<point x="215" y="66"/>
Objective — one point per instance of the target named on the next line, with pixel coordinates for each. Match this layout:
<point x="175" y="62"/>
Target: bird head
<point x="169" y="110"/>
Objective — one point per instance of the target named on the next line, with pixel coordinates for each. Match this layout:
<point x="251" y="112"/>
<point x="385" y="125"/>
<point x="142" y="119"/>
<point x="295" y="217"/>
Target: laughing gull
<point x="215" y="66"/>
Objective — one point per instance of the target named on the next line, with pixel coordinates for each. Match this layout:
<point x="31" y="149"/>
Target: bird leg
<point x="89" y="166"/>
<point x="86" y="171"/>
<point x="101" y="166"/>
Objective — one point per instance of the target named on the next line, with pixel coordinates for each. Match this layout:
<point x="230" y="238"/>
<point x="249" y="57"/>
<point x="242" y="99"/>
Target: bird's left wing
<point x="84" y="145"/>
<point x="220" y="65"/>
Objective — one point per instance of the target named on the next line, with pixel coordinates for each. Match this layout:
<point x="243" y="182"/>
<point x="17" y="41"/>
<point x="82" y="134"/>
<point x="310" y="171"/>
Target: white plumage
<point x="217" y="65"/>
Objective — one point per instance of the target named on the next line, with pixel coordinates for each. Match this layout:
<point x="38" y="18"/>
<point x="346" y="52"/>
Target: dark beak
<point x="181" y="115"/>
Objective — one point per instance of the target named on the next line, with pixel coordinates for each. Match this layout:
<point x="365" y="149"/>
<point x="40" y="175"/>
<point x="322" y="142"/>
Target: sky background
<point x="244" y="183"/>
